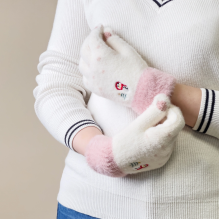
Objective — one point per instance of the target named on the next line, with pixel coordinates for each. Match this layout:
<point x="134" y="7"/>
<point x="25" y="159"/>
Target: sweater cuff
<point x="208" y="118"/>
<point x="75" y="128"/>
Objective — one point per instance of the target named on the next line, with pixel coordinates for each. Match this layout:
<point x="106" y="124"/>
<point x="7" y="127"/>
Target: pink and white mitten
<point x="141" y="146"/>
<point x="113" y="69"/>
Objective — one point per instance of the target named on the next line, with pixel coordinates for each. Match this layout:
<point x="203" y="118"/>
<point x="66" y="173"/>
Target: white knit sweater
<point x="180" y="37"/>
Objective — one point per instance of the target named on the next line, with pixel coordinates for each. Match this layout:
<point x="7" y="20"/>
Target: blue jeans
<point x="67" y="213"/>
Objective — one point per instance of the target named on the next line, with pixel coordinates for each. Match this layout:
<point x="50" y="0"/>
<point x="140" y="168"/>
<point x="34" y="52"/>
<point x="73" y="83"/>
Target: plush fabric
<point x="100" y="157"/>
<point x="141" y="146"/>
<point x="151" y="83"/>
<point x="114" y="70"/>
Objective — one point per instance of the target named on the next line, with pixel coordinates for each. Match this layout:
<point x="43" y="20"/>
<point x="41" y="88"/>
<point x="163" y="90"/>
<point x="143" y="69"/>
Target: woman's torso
<point x="181" y="38"/>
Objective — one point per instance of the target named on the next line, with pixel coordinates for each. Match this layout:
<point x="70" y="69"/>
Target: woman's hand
<point x="141" y="146"/>
<point x="114" y="70"/>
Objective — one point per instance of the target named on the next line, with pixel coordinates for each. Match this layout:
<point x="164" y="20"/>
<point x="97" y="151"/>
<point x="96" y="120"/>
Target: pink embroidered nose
<point x="106" y="36"/>
<point x="161" y="105"/>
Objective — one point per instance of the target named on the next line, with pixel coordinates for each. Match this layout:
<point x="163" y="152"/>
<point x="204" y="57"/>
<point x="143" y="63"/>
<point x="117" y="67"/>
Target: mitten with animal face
<point x="113" y="69"/>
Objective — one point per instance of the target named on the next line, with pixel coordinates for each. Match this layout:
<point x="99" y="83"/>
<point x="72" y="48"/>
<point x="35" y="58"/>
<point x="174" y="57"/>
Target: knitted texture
<point x="180" y="38"/>
<point x="208" y="118"/>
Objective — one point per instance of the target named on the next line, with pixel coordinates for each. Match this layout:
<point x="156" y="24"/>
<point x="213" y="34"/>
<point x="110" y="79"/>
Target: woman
<point x="177" y="37"/>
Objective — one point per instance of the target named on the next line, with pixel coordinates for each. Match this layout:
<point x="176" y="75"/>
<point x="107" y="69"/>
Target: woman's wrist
<point x="81" y="140"/>
<point x="188" y="99"/>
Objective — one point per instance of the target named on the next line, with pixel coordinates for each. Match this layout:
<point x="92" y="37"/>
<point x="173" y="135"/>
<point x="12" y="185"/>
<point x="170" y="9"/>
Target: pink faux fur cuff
<point x="151" y="83"/>
<point x="99" y="156"/>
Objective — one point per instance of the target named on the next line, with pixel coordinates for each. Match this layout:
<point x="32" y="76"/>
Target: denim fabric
<point x="67" y="213"/>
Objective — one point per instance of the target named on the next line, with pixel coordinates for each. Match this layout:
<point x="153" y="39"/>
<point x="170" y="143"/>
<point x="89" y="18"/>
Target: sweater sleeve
<point x="60" y="96"/>
<point x="208" y="118"/>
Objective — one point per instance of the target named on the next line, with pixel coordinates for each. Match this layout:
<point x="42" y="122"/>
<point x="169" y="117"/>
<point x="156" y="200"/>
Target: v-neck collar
<point x="161" y="3"/>
<point x="158" y="5"/>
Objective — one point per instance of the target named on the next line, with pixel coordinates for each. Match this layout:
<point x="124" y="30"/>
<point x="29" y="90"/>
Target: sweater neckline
<point x="159" y="5"/>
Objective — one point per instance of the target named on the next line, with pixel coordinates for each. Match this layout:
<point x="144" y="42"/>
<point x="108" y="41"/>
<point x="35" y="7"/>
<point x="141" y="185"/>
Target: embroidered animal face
<point x="120" y="86"/>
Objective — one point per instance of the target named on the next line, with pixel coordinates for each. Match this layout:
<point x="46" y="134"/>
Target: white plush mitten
<point x="141" y="146"/>
<point x="113" y="69"/>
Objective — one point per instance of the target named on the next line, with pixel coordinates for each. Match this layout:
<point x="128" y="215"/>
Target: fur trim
<point x="99" y="156"/>
<point x="151" y="83"/>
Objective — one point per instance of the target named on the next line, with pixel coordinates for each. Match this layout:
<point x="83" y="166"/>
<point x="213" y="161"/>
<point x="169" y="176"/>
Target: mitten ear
<point x="117" y="43"/>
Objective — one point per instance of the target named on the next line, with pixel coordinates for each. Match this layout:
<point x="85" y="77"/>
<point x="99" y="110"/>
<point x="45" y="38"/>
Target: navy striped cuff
<point x="72" y="131"/>
<point x="207" y="111"/>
